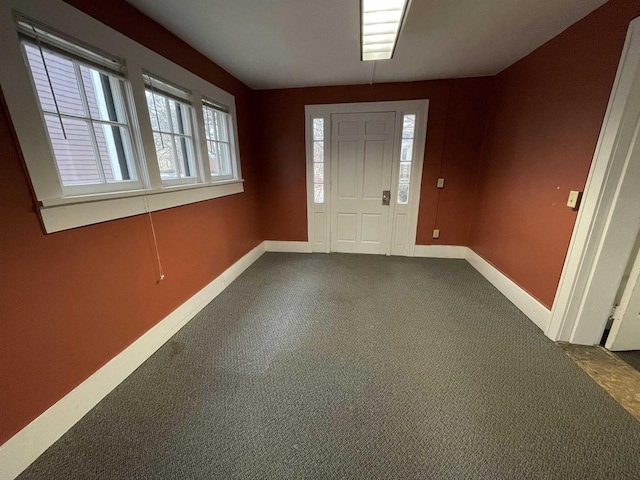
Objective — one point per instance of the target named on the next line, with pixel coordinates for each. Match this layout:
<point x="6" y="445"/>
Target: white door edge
<point x="605" y="227"/>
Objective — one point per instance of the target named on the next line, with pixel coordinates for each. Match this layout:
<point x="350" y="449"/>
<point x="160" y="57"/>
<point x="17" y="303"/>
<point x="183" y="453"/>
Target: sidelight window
<point x="318" y="160"/>
<point x="406" y="156"/>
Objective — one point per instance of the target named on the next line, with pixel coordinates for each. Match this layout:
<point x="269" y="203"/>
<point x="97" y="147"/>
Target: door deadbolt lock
<point x="386" y="197"/>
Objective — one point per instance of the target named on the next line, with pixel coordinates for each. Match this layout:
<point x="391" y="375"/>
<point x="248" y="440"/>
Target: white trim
<point x="608" y="221"/>
<point x="440" y="251"/>
<point x="532" y="308"/>
<point x="67" y="213"/>
<point x="27" y="445"/>
<point x="34" y="142"/>
<point x="418" y="107"/>
<point x="294" y="247"/>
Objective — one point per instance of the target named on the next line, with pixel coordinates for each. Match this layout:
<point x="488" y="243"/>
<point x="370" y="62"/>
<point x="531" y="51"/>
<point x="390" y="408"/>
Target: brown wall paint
<point x="457" y="112"/>
<point x="57" y="328"/>
<point x="73" y="300"/>
<point x="544" y="125"/>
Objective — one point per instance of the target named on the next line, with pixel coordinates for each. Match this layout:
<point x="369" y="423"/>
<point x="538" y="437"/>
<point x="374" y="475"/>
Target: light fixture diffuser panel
<point x="380" y="22"/>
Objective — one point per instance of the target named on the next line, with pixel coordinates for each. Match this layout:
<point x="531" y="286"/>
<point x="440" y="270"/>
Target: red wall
<point x="544" y="125"/>
<point x="73" y="300"/>
<point x="457" y="111"/>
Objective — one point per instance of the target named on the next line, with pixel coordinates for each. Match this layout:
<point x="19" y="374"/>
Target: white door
<point x="625" y="331"/>
<point x="361" y="168"/>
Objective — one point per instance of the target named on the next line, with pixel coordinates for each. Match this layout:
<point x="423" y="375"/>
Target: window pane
<point x="407" y="150"/>
<point x="318" y="193"/>
<point x="158" y="112"/>
<point x="403" y="193"/>
<point x="222" y="133"/>
<point x="75" y="155"/>
<point x="225" y="158"/>
<point x="318" y="128"/>
<point x="216" y="124"/>
<point x="408" y="126"/>
<point x="219" y="158"/>
<point x="182" y="150"/>
<point x="214" y="158"/>
<point x="63" y="79"/>
<point x="318" y="152"/>
<point x="100" y="91"/>
<point x="179" y="118"/>
<point x="405" y="172"/>
<point x="114" y="148"/>
<point x="166" y="160"/>
<point x="318" y="173"/>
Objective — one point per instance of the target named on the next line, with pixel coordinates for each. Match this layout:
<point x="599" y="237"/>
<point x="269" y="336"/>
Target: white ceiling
<point x="294" y="43"/>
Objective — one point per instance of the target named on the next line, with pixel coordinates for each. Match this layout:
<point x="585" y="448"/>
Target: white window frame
<point x="233" y="146"/>
<point x="58" y="209"/>
<point x="88" y="189"/>
<point x="197" y="176"/>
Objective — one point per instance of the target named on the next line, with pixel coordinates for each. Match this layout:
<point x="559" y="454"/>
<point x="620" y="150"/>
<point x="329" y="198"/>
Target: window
<point x="318" y="160"/>
<point x="93" y="121"/>
<point x="216" y="128"/>
<point x="82" y="97"/>
<point x="171" y="116"/>
<point x="406" y="155"/>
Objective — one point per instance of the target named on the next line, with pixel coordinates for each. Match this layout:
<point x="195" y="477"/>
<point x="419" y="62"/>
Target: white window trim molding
<point x="67" y="213"/>
<point x="608" y="222"/>
<point x="57" y="210"/>
<point x="418" y="107"/>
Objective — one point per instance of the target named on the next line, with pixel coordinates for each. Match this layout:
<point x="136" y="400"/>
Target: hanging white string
<point x="155" y="240"/>
<point x="46" y="71"/>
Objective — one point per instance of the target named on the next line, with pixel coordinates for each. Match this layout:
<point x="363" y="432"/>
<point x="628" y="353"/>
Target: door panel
<point x="625" y="331"/>
<point x="361" y="167"/>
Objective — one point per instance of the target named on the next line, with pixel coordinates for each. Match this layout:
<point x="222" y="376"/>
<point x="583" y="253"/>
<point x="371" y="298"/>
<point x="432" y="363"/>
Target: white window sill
<point x="70" y="212"/>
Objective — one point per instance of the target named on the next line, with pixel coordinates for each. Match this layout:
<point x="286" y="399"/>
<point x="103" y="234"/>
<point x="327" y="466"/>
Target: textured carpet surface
<point x="632" y="358"/>
<point x="349" y="366"/>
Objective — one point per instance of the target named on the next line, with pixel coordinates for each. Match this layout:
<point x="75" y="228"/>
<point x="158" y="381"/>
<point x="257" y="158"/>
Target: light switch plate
<point x="440" y="183"/>
<point x="574" y="199"/>
<point x="436" y="233"/>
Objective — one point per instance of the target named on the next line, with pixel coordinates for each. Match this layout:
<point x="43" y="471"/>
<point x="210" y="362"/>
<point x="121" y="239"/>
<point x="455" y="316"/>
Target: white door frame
<point x="609" y="218"/>
<point x="319" y="215"/>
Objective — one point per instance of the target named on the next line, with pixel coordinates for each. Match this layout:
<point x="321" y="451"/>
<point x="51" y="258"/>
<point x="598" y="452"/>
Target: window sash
<point x="123" y="148"/>
<point x="213" y="134"/>
<point x="189" y="157"/>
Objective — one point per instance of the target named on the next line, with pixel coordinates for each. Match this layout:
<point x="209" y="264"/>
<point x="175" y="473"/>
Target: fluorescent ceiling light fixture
<point x="380" y="23"/>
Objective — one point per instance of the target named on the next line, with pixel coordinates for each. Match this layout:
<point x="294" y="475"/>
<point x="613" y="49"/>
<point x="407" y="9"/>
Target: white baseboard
<point x="27" y="445"/>
<point x="440" y="251"/>
<point x="293" y="247"/>
<point x="532" y="308"/>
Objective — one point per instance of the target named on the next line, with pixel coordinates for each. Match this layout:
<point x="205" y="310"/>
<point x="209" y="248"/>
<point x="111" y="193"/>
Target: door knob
<point x="386" y="197"/>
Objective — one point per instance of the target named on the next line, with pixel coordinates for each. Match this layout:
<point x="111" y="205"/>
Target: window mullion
<point x="92" y="132"/>
<point x="201" y="152"/>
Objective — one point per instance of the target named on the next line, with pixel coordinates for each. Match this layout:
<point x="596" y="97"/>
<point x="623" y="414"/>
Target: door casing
<point x="319" y="215"/>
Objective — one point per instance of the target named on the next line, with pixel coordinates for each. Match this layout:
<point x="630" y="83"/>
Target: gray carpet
<point x="349" y="366"/>
<point x="632" y="358"/>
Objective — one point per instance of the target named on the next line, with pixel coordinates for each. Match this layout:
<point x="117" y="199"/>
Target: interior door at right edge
<point x="625" y="330"/>
<point x="361" y="166"/>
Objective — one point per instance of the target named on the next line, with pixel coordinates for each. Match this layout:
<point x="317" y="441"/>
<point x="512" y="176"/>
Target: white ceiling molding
<point x="293" y="43"/>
